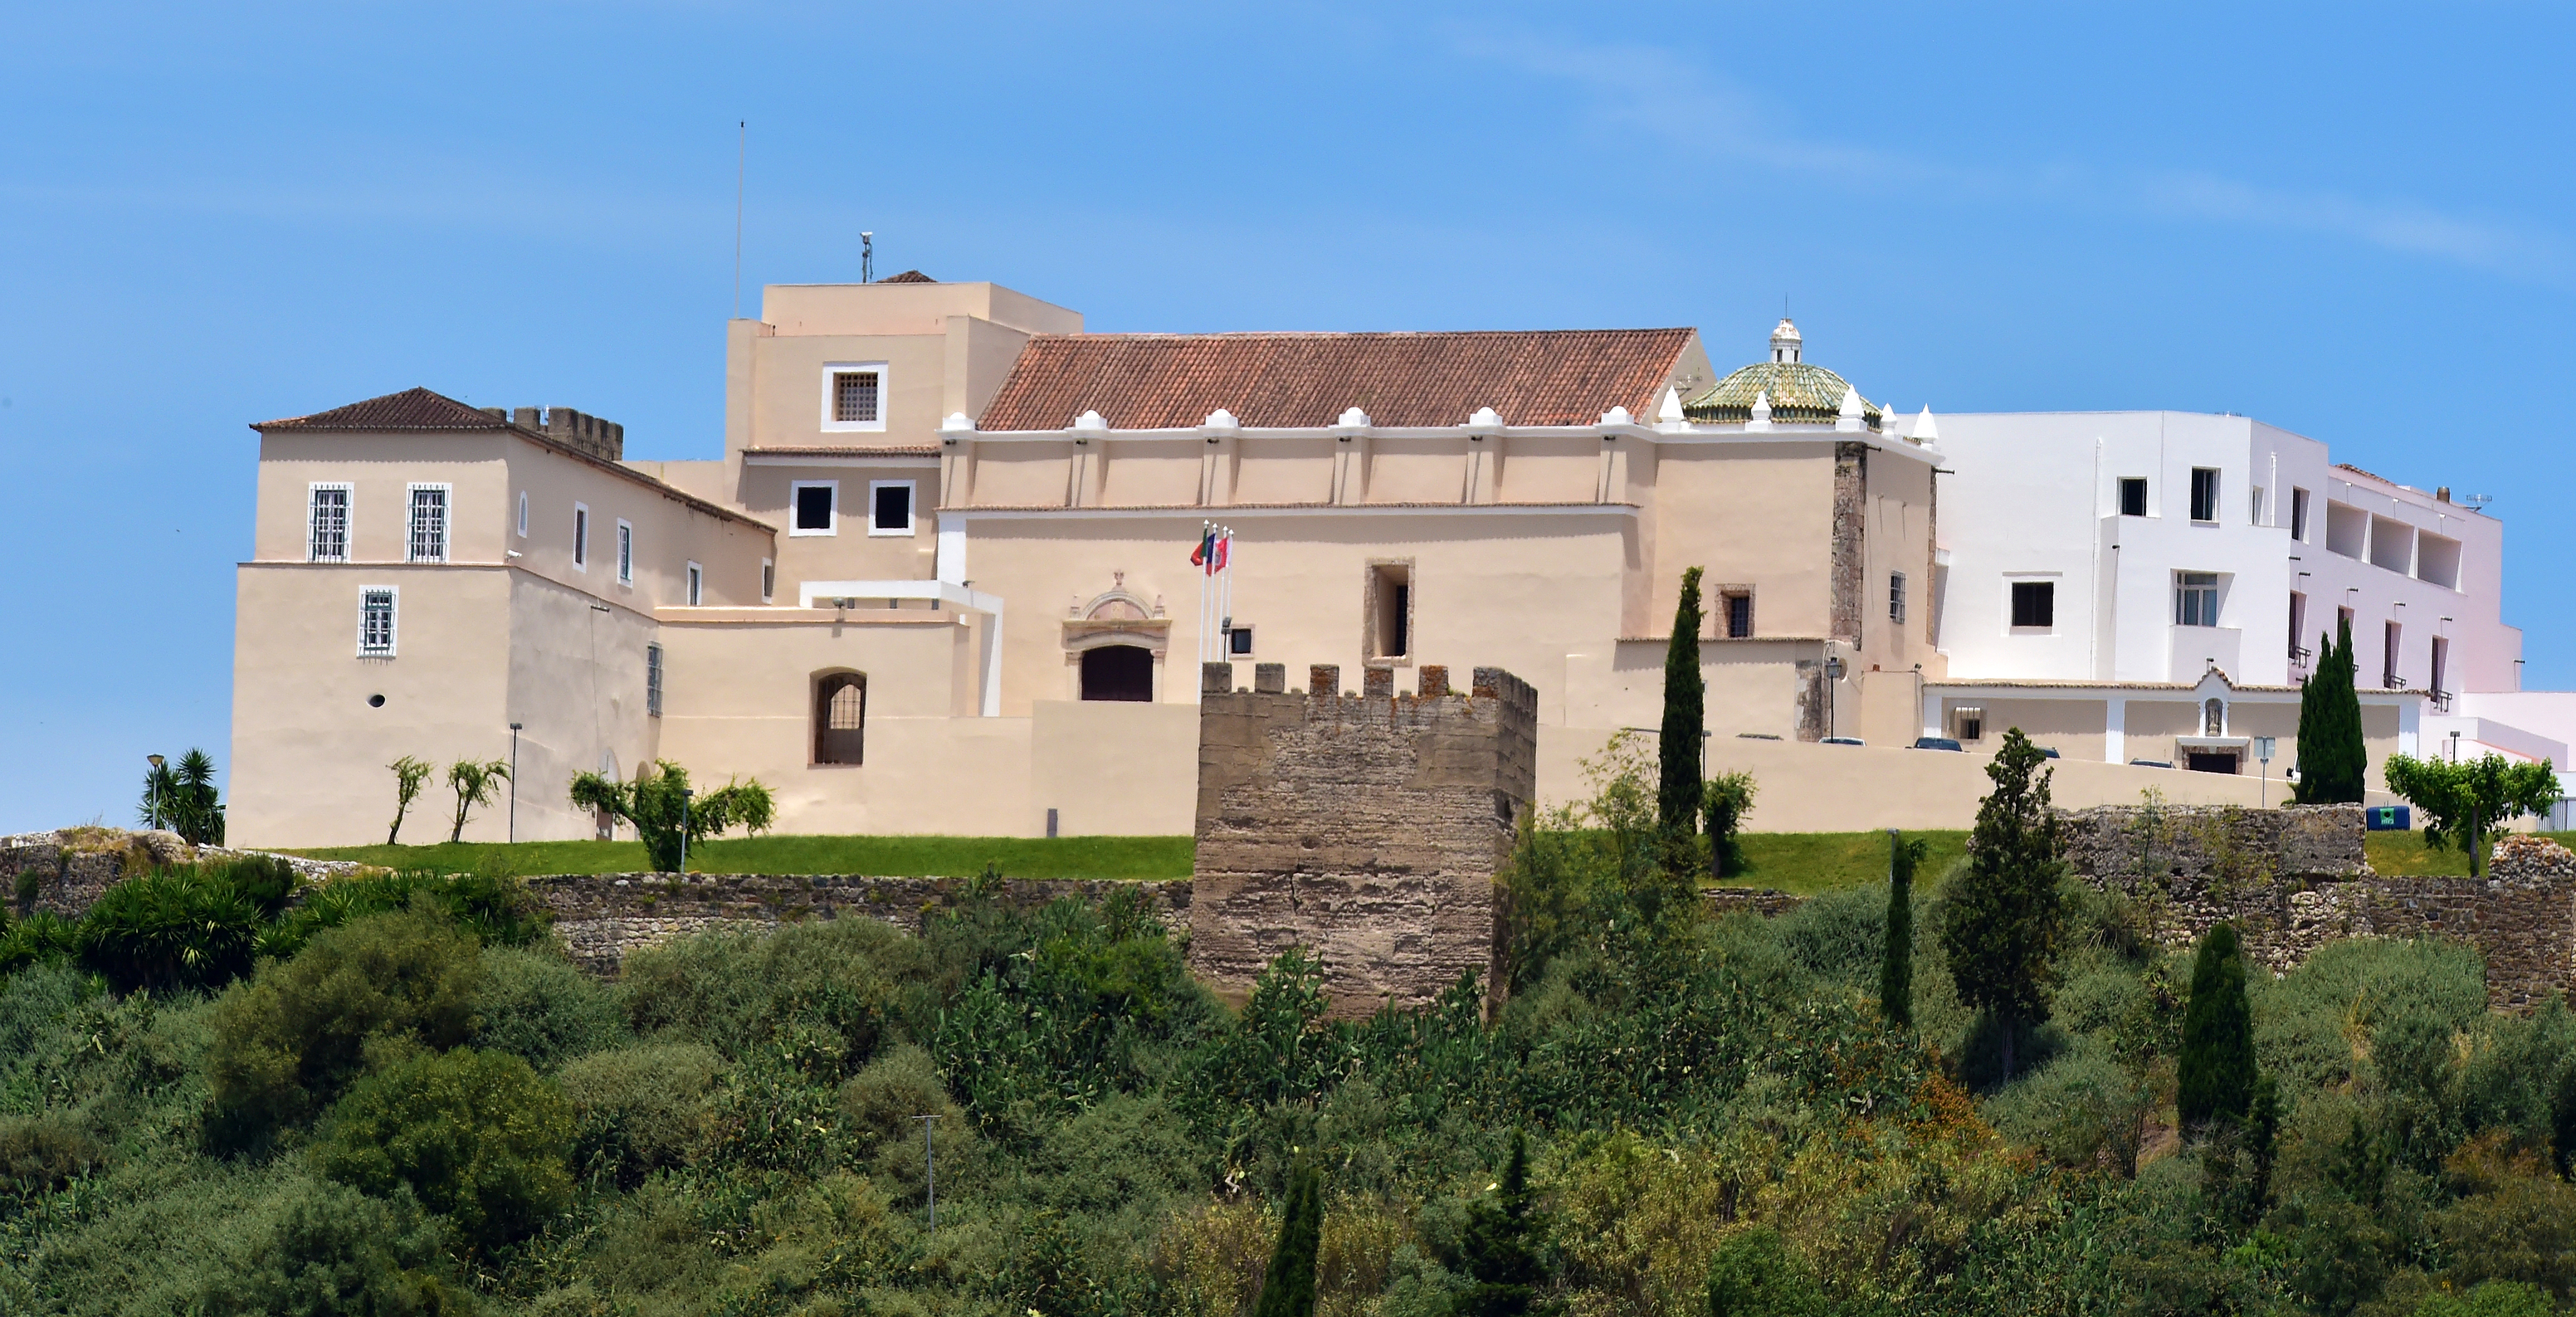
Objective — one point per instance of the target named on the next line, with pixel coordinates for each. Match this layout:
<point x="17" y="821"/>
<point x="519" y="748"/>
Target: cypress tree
<point x="1288" y="1286"/>
<point x="1999" y="922"/>
<point x="1499" y="1253"/>
<point x="1896" y="962"/>
<point x="1685" y="716"/>
<point x="2332" y="758"/>
<point x="2216" y="1081"/>
<point x="1753" y="1274"/>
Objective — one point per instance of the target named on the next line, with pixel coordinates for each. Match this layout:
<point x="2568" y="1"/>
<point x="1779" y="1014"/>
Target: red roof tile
<point x="411" y="409"/>
<point x="908" y="277"/>
<point x="1172" y="381"/>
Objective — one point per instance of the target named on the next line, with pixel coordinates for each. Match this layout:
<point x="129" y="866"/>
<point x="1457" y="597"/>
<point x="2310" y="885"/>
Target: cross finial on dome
<point x="1784" y="342"/>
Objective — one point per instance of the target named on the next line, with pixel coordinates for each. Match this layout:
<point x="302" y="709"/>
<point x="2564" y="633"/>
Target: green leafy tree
<point x="1500" y="1252"/>
<point x="1896" y="960"/>
<point x="1728" y="799"/>
<point x="474" y="784"/>
<point x="1685" y="718"/>
<point x="658" y="805"/>
<point x="1753" y="1274"/>
<point x="2332" y="759"/>
<point x="2215" y="1083"/>
<point x="1288" y="1285"/>
<point x="183" y="798"/>
<point x="2463" y="802"/>
<point x="476" y="1136"/>
<point x="2000" y="921"/>
<point x="409" y="774"/>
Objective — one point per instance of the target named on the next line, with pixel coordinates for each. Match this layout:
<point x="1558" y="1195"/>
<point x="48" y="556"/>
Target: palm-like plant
<point x="409" y="774"/>
<point x="475" y="784"/>
<point x="662" y="810"/>
<point x="184" y="799"/>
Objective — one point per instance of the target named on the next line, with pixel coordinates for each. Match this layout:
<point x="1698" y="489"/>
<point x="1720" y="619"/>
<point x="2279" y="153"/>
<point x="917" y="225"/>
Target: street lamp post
<point x="152" y="790"/>
<point x="685" y="794"/>
<point x="514" y="781"/>
<point x="2263" y="751"/>
<point x="1833" y="674"/>
<point x="930" y="1168"/>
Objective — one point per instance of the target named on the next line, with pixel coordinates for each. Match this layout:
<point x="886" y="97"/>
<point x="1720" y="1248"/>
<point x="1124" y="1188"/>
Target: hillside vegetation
<point x="418" y="1106"/>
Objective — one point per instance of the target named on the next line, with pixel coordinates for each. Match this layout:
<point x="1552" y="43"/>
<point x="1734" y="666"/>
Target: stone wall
<point x="603" y="917"/>
<point x="64" y="871"/>
<point x="1368" y="831"/>
<point x="2201" y="848"/>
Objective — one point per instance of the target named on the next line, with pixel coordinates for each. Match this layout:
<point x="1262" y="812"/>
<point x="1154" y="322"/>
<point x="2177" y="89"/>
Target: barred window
<point x="1896" y="597"/>
<point x="429" y="523"/>
<point x="854" y="397"/>
<point x="376" y="620"/>
<point x="653" y="680"/>
<point x="327" y="539"/>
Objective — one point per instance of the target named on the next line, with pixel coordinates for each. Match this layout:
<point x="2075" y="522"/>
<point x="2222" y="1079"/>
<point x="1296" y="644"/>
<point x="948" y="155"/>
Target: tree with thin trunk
<point x="2332" y="758"/>
<point x="475" y="783"/>
<point x="409" y="775"/>
<point x="1896" y="962"/>
<point x="1730" y="798"/>
<point x="2215" y="1081"/>
<point x="665" y="812"/>
<point x="1288" y="1286"/>
<point x="1999" y="922"/>
<point x="1685" y="718"/>
<point x="2462" y="803"/>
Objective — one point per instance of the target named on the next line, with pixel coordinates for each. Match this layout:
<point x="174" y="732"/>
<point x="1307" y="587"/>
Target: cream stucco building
<point x="941" y="579"/>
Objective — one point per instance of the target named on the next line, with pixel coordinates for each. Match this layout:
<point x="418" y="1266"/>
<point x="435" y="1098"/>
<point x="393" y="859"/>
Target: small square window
<point x="1239" y="641"/>
<point x="2034" y="604"/>
<point x="890" y="507"/>
<point x="625" y="553"/>
<point x="816" y="507"/>
<point x="1968" y="723"/>
<point x="854" y="395"/>
<point x="697" y="585"/>
<point x="2133" y="496"/>
<point x="376" y="621"/>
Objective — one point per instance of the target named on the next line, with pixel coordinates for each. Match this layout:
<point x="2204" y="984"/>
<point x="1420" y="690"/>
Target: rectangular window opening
<point x="653" y="681"/>
<point x="1736" y="608"/>
<point x="855" y="397"/>
<point x="428" y="523"/>
<point x="2034" y="604"/>
<point x="580" y="538"/>
<point x="2195" y="599"/>
<point x="2254" y="511"/>
<point x="890" y="507"/>
<point x="1239" y="641"/>
<point x="2298" y="628"/>
<point x="1896" y="597"/>
<point x="2388" y="677"/>
<point x="697" y="585"/>
<point x="327" y="538"/>
<point x="2298" y="514"/>
<point x="1390" y="610"/>
<point x="1967" y="722"/>
<point x="376" y="620"/>
<point x="2204" y="494"/>
<point x="625" y="553"/>
<point x="2441" y="661"/>
<point x="2133" y="496"/>
<point x="523" y="514"/>
<point x="768" y="580"/>
<point x="816" y="507"/>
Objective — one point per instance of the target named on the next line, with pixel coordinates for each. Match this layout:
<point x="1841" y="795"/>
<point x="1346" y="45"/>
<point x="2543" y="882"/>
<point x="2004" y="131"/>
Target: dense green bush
<point x="817" y="996"/>
<point x="638" y="1109"/>
<point x="477" y="1137"/>
<point x="536" y="1006"/>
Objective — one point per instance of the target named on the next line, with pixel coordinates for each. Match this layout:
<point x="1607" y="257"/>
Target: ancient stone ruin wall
<point x="63" y="872"/>
<point x="1366" y="830"/>
<point x="604" y="917"/>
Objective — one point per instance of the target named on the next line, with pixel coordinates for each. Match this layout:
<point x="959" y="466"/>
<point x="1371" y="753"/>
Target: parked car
<point x="2049" y="750"/>
<point x="1937" y="743"/>
<point x="1844" y="740"/>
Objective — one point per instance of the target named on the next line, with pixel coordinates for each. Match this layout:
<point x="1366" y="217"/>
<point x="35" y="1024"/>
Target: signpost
<point x="2263" y="751"/>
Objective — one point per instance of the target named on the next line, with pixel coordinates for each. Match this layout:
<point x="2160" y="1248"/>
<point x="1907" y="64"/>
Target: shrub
<point x="2495" y="1298"/>
<point x="186" y="928"/>
<point x="497" y="909"/>
<point x="816" y="995"/>
<point x="2082" y="1111"/>
<point x="475" y="1136"/>
<point x="40" y="1152"/>
<point x="37" y="939"/>
<point x="318" y="1249"/>
<point x="659" y="806"/>
<point x="1753" y="1274"/>
<point x="1288" y="1284"/>
<point x="2217" y="1065"/>
<point x="536" y="1006"/>
<point x="2002" y="917"/>
<point x="288" y="1041"/>
<point x="637" y="1110"/>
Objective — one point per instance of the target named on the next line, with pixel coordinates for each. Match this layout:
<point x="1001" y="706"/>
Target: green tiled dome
<point x="1798" y="392"/>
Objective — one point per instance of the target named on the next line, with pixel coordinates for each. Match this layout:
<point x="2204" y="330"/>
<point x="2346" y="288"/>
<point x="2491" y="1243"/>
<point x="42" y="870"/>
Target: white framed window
<point x="653" y="681"/>
<point x="768" y="579"/>
<point x="697" y="585"/>
<point x="625" y="552"/>
<point x="581" y="537"/>
<point x="2034" y="604"/>
<point x="326" y="520"/>
<point x="1896" y="597"/>
<point x="854" y="395"/>
<point x="890" y="507"/>
<point x="814" y="507"/>
<point x="376" y="621"/>
<point x="523" y="514"/>
<point x="428" y="538"/>
<point x="2195" y="598"/>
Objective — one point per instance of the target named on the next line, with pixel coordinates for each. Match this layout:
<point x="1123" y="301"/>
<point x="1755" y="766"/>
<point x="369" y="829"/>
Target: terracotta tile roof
<point x="411" y="409"/>
<point x="908" y="277"/>
<point x="1172" y="381"/>
<point x="845" y="450"/>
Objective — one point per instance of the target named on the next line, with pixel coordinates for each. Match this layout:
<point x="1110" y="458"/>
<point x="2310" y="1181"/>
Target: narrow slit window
<point x="2298" y="514"/>
<point x="1896" y="597"/>
<point x="1390" y="602"/>
<point x="523" y="514"/>
<point x="768" y="579"/>
<point x="327" y="539"/>
<point x="428" y="523"/>
<point x="697" y="585"/>
<point x="625" y="553"/>
<point x="653" y="681"/>
<point x="580" y="538"/>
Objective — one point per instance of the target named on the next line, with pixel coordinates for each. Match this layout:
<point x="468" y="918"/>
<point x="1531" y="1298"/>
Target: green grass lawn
<point x="2405" y="854"/>
<point x="1810" y="862"/>
<point x="880" y="857"/>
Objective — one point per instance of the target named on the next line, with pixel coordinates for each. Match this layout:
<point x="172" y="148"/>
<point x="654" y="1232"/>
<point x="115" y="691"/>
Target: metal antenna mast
<point x="741" y="159"/>
<point x="867" y="257"/>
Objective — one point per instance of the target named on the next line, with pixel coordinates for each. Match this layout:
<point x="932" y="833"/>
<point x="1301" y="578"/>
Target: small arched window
<point x="841" y="718"/>
<point x="1118" y="672"/>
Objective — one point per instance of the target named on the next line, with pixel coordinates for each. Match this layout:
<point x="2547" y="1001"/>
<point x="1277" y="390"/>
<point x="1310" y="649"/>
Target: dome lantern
<point x="1785" y="343"/>
<point x="1784" y="391"/>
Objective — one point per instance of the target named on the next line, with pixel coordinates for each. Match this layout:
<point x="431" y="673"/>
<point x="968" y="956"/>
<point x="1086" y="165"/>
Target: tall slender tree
<point x="1896" y="962"/>
<point x="1288" y="1286"/>
<point x="2215" y="1083"/>
<point x="2332" y="759"/>
<point x="1685" y="716"/>
<point x="2000" y="921"/>
<point x="1500" y="1252"/>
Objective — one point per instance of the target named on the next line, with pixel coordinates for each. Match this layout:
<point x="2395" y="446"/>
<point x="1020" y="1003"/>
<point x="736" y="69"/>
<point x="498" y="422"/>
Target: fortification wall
<point x="1367" y="830"/>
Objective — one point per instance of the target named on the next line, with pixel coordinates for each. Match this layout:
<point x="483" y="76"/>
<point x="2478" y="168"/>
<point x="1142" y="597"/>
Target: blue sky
<point x="2352" y="227"/>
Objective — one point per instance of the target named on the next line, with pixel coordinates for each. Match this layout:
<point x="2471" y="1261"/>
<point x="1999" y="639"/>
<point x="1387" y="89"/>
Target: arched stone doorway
<point x="1118" y="672"/>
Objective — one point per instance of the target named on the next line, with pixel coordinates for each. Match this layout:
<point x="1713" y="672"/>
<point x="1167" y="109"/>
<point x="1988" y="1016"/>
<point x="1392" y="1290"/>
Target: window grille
<point x="1896" y="597"/>
<point x="625" y="554"/>
<point x="653" y="681"/>
<point x="1968" y="723"/>
<point x="428" y="523"/>
<point x="840" y="718"/>
<point x="1739" y="617"/>
<point x="2196" y="599"/>
<point x="376" y="620"/>
<point x="854" y="397"/>
<point x="328" y="540"/>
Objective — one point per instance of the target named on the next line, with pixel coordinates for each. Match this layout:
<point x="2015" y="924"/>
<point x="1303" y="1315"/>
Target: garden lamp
<point x="152" y="786"/>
